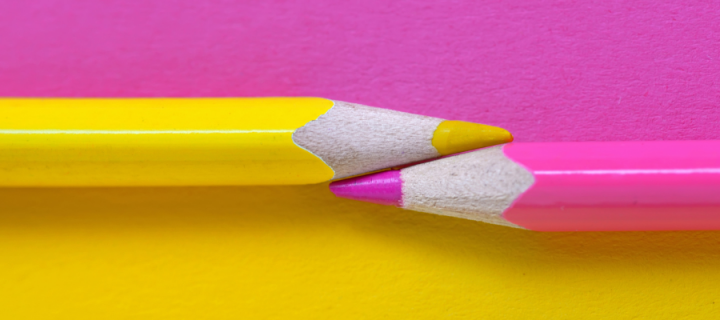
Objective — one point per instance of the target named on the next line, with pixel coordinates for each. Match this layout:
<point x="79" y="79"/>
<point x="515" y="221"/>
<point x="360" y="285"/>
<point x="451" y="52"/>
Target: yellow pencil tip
<point x="458" y="136"/>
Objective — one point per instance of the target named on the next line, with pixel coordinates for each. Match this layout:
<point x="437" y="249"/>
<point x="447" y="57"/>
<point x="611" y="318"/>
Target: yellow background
<point x="297" y="252"/>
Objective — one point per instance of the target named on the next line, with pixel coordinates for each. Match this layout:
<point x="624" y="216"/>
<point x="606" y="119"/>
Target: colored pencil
<point x="215" y="141"/>
<point x="573" y="186"/>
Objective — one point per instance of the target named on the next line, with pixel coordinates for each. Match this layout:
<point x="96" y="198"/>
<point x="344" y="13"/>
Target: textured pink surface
<point x="546" y="70"/>
<point x="382" y="187"/>
<point x="606" y="186"/>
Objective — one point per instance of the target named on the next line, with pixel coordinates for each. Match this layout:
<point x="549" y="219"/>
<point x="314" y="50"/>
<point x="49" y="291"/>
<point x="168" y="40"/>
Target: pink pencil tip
<point x="382" y="188"/>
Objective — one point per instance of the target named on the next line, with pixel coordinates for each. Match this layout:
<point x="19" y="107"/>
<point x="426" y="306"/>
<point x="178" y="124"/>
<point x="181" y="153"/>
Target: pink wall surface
<point x="546" y="70"/>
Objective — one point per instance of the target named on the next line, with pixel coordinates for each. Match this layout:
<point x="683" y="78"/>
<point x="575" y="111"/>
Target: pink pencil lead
<point x="382" y="188"/>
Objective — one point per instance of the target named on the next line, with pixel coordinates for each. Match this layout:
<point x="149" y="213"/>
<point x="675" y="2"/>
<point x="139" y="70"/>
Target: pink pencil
<point x="572" y="186"/>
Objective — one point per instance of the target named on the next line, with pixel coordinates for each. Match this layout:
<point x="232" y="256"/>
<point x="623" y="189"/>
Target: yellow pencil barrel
<point x="154" y="142"/>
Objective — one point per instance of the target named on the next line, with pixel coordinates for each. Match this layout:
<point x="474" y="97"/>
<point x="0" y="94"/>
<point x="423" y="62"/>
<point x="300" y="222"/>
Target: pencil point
<point x="382" y="188"/>
<point x="458" y="136"/>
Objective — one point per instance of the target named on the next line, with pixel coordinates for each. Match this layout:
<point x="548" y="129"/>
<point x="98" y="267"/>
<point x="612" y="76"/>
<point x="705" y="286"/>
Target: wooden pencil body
<point x="570" y="186"/>
<point x="216" y="141"/>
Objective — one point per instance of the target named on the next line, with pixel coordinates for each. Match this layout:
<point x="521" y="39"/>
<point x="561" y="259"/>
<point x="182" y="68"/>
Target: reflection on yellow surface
<point x="244" y="253"/>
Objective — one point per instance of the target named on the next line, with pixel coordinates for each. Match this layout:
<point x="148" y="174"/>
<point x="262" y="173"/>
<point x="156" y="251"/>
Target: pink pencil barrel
<point x="601" y="186"/>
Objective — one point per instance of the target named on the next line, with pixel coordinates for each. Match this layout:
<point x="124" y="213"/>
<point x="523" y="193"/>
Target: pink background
<point x="546" y="70"/>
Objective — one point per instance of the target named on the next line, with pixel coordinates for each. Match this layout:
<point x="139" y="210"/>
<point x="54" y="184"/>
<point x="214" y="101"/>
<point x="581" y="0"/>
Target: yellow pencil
<point x="215" y="141"/>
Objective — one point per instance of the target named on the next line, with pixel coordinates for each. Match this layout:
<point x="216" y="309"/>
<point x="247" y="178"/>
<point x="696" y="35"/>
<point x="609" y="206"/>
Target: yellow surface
<point x="244" y="253"/>
<point x="202" y="141"/>
<point x="458" y="136"/>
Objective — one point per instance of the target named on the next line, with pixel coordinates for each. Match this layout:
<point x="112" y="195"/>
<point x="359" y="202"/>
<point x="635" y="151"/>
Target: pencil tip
<point x="458" y="136"/>
<point x="382" y="188"/>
